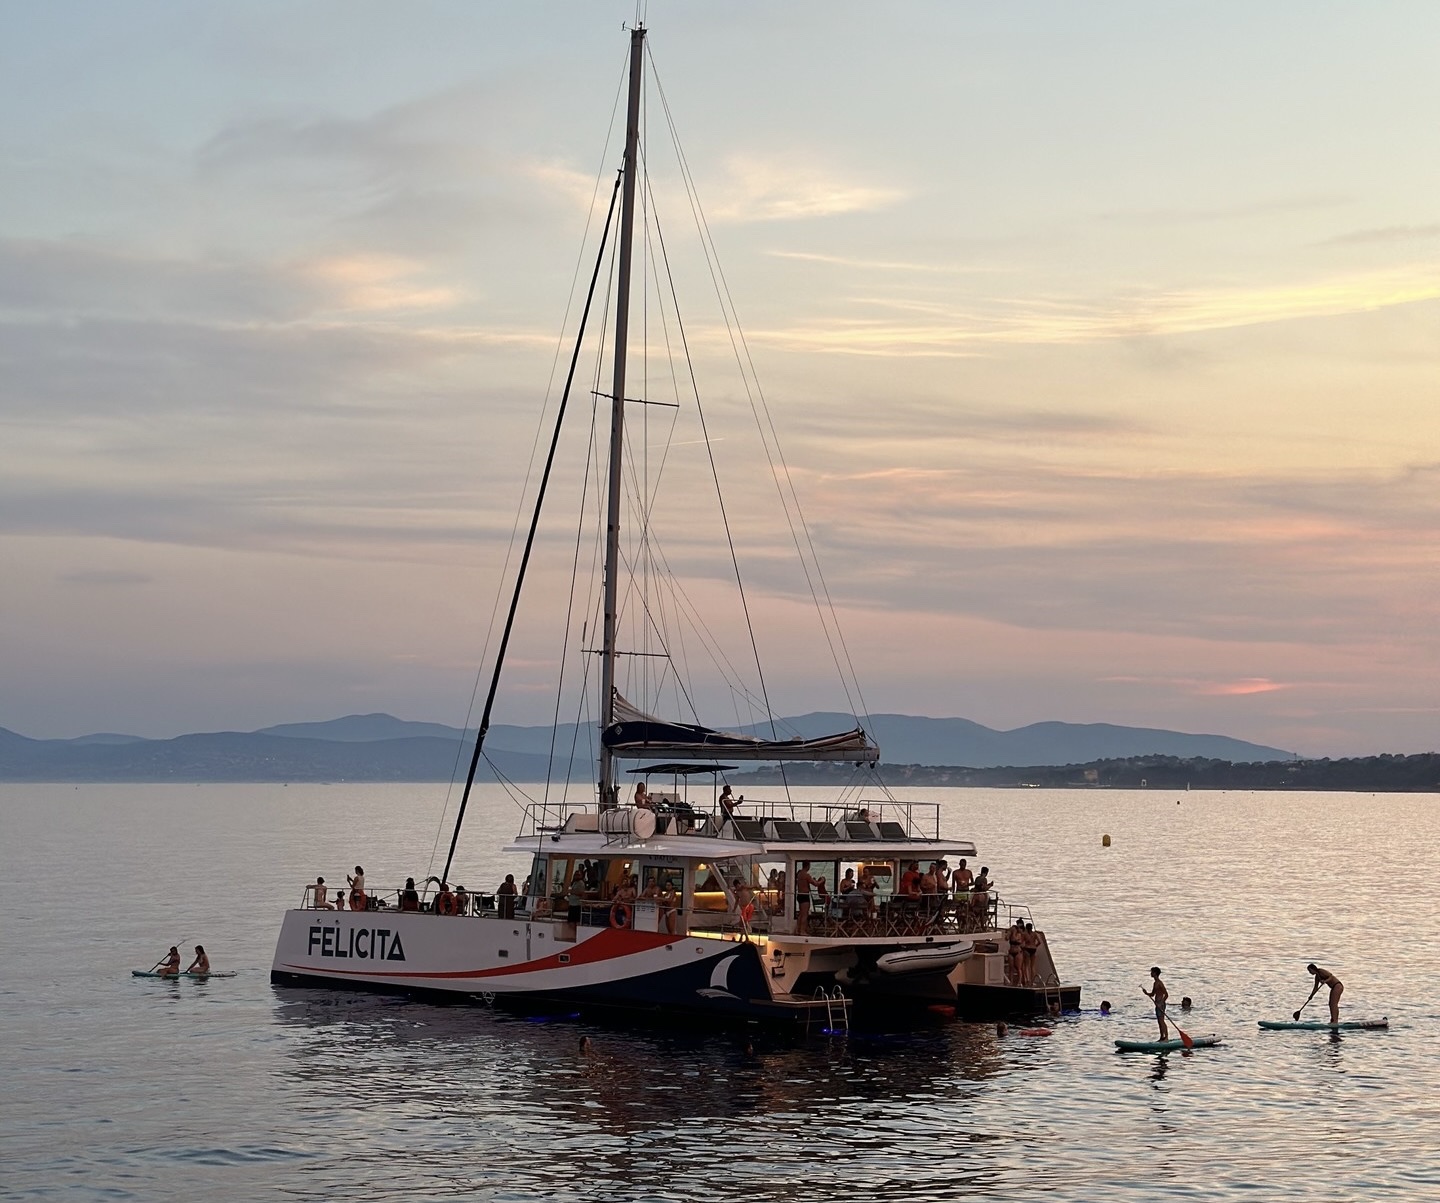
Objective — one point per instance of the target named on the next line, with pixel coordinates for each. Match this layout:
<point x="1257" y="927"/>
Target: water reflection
<point x="621" y="1081"/>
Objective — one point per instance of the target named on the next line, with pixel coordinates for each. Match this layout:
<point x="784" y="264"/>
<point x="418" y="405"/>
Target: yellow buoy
<point x="1104" y="841"/>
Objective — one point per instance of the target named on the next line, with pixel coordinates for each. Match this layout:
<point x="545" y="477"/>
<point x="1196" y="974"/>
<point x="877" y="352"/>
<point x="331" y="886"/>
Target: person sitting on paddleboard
<point x="201" y="963"/>
<point x="170" y="967"/>
<point x="1160" y="995"/>
<point x="1323" y="977"/>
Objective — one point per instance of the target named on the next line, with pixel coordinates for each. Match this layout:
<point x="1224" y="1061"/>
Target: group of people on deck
<point x="446" y="901"/>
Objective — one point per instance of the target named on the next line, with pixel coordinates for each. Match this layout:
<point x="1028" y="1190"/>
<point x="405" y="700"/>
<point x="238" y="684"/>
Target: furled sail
<point x="637" y="734"/>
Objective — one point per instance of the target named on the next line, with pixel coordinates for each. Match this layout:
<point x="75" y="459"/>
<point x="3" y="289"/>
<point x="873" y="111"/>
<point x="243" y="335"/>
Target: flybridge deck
<point x="867" y="826"/>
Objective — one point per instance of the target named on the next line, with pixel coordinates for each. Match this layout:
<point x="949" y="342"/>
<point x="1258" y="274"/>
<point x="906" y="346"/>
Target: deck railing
<point x="750" y="819"/>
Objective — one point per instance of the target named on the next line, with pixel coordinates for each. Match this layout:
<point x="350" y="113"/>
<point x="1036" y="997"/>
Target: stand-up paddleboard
<point x="197" y="976"/>
<point x="1353" y="1025"/>
<point x="1165" y="1046"/>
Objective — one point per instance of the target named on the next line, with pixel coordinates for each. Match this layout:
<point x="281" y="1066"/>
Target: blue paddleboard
<point x="1354" y="1025"/>
<point x="197" y="976"/>
<point x="1164" y="1046"/>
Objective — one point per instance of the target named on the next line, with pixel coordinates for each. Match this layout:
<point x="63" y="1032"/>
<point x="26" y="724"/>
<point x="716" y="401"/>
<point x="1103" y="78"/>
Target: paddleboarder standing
<point x="1159" y="995"/>
<point x="1323" y="977"/>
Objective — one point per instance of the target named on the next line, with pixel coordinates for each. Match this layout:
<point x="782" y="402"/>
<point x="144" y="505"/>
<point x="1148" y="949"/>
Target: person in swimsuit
<point x="1323" y="977"/>
<point x="322" y="894"/>
<point x="669" y="905"/>
<point x="201" y="963"/>
<point x="1032" y="949"/>
<point x="1015" y="946"/>
<point x="357" y="889"/>
<point x="1160" y="996"/>
<point x="170" y="967"/>
<point x="962" y="879"/>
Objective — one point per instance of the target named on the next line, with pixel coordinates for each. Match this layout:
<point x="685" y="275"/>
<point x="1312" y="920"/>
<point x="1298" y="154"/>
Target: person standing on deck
<point x="1160" y="996"/>
<point x="803" y="885"/>
<point x="1323" y="977"/>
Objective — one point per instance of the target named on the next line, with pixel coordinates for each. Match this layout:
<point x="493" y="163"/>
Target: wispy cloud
<point x="958" y="332"/>
<point x="776" y="189"/>
<point x="105" y="578"/>
<point x="1384" y="234"/>
<point x="889" y="265"/>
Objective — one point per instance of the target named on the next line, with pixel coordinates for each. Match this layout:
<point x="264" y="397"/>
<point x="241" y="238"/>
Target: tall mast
<point x="617" y="410"/>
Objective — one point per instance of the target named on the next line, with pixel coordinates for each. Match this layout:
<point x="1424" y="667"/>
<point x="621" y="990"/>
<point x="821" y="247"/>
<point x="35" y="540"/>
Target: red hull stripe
<point x="610" y="944"/>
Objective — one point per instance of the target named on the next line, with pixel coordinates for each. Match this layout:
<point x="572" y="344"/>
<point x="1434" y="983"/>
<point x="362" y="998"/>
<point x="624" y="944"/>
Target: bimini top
<point x="637" y="735"/>
<point x="682" y="770"/>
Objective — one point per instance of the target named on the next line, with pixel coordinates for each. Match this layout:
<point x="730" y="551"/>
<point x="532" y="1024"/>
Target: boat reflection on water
<point x="430" y="1060"/>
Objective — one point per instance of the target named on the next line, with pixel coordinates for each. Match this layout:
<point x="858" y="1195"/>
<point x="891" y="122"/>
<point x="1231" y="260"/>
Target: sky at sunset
<point x="1103" y="342"/>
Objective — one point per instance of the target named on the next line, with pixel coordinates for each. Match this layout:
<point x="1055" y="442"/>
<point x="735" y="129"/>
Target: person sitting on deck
<point x="462" y="901"/>
<point x="505" y="897"/>
<point x="445" y="900"/>
<point x="409" y="896"/>
<point x="320" y="902"/>
<point x="339" y="900"/>
<point x="642" y="796"/>
<point x="201" y="964"/>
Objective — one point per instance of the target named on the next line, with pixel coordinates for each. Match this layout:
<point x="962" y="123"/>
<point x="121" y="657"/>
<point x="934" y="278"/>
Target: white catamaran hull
<point x="512" y="960"/>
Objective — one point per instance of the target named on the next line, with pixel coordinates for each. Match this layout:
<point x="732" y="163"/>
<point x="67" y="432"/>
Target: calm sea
<point x="118" y="1088"/>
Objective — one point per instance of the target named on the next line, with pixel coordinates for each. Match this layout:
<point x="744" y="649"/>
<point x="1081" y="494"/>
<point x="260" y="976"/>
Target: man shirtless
<point x="1160" y="996"/>
<point x="1323" y="977"/>
<point x="804" y="883"/>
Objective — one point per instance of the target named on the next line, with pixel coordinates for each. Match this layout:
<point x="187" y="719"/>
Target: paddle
<point x="1306" y="1003"/>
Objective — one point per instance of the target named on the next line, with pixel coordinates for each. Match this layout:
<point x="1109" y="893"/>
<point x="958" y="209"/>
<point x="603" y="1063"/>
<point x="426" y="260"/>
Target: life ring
<point x="617" y="911"/>
<point x="445" y="904"/>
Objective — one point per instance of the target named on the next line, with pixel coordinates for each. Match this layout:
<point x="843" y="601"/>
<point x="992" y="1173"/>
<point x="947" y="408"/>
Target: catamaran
<point x="685" y="900"/>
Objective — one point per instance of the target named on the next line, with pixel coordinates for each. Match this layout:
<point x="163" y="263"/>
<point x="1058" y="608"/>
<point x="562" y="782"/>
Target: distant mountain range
<point x="379" y="747"/>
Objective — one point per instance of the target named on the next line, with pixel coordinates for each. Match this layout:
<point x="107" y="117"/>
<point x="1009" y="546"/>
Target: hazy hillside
<point x="379" y="747"/>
